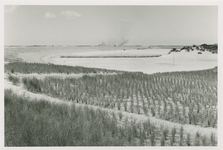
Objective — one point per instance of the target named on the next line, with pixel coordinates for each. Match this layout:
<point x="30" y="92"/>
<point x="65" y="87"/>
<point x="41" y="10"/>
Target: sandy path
<point x="192" y="129"/>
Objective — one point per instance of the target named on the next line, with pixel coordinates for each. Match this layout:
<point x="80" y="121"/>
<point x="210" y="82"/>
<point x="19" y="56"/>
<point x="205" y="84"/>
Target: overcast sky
<point x="146" y="25"/>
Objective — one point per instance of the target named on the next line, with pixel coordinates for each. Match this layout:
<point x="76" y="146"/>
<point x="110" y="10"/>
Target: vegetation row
<point x="143" y="56"/>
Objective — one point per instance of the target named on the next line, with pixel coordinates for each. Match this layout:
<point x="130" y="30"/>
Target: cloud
<point x="69" y="14"/>
<point x="10" y="8"/>
<point x="50" y="15"/>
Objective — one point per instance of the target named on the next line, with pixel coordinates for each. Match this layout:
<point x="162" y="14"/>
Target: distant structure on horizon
<point x="115" y="44"/>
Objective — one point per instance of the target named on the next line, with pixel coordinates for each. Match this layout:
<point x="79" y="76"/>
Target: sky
<point x="77" y="25"/>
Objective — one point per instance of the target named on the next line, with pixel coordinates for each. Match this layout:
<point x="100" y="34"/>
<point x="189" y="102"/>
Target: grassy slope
<point x="34" y="123"/>
<point x="39" y="123"/>
<point x="184" y="97"/>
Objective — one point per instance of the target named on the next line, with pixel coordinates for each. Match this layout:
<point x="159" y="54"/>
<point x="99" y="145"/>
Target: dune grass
<point x="186" y="97"/>
<point x="183" y="97"/>
<point x="26" y="68"/>
<point x="41" y="123"/>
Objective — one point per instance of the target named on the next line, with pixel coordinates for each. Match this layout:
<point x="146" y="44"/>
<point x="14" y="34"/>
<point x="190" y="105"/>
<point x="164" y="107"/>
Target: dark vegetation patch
<point x="13" y="79"/>
<point x="213" y="48"/>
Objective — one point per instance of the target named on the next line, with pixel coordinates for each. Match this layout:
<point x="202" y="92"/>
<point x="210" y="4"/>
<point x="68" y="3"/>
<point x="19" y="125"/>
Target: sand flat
<point x="182" y="61"/>
<point x="177" y="61"/>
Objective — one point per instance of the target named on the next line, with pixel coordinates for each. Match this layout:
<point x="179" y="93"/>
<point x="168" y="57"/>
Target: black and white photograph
<point x="111" y="75"/>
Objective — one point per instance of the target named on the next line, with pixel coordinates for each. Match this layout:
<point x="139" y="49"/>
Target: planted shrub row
<point x="143" y="56"/>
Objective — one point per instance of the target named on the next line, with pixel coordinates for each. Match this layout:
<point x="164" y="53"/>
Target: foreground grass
<point x="183" y="97"/>
<point x="40" y="123"/>
<point x="188" y="97"/>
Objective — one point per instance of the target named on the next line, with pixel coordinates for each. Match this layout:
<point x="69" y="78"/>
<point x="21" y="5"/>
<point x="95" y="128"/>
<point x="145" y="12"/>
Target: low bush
<point x="13" y="79"/>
